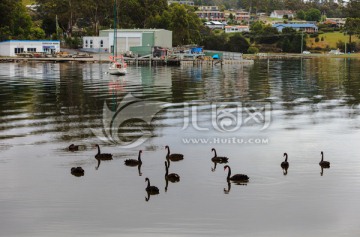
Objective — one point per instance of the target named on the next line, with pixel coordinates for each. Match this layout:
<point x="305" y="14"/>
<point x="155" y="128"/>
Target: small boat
<point x="117" y="63"/>
<point x="117" y="66"/>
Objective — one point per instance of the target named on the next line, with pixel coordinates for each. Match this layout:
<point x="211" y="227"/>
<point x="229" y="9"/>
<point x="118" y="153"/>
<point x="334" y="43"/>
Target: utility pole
<point x="345" y="48"/>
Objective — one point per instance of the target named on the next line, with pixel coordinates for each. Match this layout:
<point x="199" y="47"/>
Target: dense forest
<point x="69" y="19"/>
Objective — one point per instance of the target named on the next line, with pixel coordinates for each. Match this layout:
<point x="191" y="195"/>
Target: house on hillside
<point x="234" y="29"/>
<point x="215" y="25"/>
<point x="190" y="3"/>
<point x="281" y="13"/>
<point x="306" y="27"/>
<point x="210" y="13"/>
<point x="242" y="16"/>
<point x="340" y="22"/>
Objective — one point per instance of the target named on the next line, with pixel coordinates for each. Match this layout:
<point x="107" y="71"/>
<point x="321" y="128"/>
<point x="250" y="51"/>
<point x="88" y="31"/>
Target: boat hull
<point x="117" y="68"/>
<point x="117" y="71"/>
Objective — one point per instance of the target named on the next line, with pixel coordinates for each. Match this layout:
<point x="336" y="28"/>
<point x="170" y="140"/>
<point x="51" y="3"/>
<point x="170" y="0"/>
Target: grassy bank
<point x="329" y="40"/>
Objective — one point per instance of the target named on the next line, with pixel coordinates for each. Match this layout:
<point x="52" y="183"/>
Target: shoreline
<point x="295" y="56"/>
<point x="104" y="58"/>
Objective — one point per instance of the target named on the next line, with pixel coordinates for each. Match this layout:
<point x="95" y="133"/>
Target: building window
<point x="86" y="43"/>
<point x="91" y="43"/>
<point x="19" y="50"/>
<point x="101" y="43"/>
<point x="31" y="49"/>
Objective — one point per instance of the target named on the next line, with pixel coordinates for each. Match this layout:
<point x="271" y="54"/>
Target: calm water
<point x="251" y="114"/>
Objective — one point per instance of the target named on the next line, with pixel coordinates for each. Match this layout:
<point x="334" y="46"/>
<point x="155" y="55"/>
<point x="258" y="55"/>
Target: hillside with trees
<point x="69" y="20"/>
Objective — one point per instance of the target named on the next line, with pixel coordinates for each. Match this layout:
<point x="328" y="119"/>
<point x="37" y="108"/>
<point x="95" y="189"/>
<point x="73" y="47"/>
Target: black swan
<point x="218" y="159"/>
<point x="102" y="156"/>
<point x="236" y="177"/>
<point x="285" y="164"/>
<point x="77" y="171"/>
<point x="151" y="189"/>
<point x="73" y="147"/>
<point x="171" y="177"/>
<point x="174" y="156"/>
<point x="322" y="163"/>
<point x="133" y="162"/>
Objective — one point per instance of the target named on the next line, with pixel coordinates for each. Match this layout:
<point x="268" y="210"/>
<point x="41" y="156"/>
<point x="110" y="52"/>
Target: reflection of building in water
<point x="234" y="84"/>
<point x="34" y="70"/>
<point x="93" y="71"/>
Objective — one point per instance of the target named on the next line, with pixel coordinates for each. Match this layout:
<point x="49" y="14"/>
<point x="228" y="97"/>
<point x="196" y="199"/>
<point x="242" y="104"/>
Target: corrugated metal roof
<point x="295" y="25"/>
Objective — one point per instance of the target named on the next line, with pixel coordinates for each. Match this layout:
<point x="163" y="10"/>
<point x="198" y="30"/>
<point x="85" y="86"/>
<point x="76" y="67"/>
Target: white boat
<point x="117" y="63"/>
<point x="117" y="66"/>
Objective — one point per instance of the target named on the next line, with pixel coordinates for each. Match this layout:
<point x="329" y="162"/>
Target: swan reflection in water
<point x="172" y="177"/>
<point x="150" y="190"/>
<point x="285" y="170"/>
<point x="133" y="162"/>
<point x="227" y="191"/>
<point x="322" y="170"/>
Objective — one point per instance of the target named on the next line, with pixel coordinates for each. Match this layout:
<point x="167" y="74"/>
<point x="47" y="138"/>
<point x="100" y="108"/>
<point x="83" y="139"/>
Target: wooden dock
<point x="232" y="58"/>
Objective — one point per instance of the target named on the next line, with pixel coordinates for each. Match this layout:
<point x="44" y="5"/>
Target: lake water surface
<point x="251" y="114"/>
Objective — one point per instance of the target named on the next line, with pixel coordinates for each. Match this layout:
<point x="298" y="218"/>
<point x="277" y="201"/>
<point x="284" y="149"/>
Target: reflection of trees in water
<point x="68" y="98"/>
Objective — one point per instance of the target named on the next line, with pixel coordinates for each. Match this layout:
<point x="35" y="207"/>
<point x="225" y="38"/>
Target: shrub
<point x="252" y="50"/>
<point x="317" y="39"/>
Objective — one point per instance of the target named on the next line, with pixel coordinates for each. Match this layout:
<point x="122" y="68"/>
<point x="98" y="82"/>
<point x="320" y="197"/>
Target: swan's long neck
<point x="139" y="157"/>
<point x="229" y="173"/>
<point x="148" y="182"/>
<point x="322" y="157"/>
<point x="98" y="149"/>
<point x="168" y="151"/>
<point x="286" y="156"/>
<point x="215" y="153"/>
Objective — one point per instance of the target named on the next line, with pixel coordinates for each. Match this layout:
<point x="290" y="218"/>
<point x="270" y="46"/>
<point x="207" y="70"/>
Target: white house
<point x="190" y="3"/>
<point x="215" y="24"/>
<point x="233" y="29"/>
<point x="281" y="13"/>
<point x="96" y="43"/>
<point x="306" y="27"/>
<point x="12" y="47"/>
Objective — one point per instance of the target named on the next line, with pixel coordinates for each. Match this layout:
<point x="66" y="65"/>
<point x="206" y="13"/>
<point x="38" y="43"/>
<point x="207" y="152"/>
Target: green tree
<point x="313" y="15"/>
<point x="67" y="12"/>
<point x="182" y="21"/>
<point x="215" y="42"/>
<point x="300" y="15"/>
<point x="352" y="9"/>
<point x="15" y="22"/>
<point x="352" y="27"/>
<point x="269" y="35"/>
<point x="237" y="43"/>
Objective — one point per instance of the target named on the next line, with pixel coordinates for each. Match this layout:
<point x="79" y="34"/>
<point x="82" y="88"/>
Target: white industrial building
<point x="126" y="39"/>
<point x="12" y="47"/>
